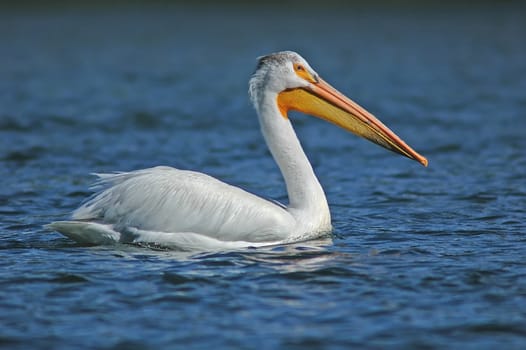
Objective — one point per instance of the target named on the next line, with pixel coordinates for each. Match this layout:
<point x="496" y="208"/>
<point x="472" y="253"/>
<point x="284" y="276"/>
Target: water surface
<point x="419" y="257"/>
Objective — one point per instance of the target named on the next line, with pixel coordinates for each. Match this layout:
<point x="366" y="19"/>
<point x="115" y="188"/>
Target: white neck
<point x="306" y="196"/>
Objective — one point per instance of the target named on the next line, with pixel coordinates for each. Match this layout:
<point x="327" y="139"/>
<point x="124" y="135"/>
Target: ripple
<point x="430" y="258"/>
<point x="479" y="198"/>
<point x="12" y="123"/>
<point x="24" y="155"/>
<point x="67" y="278"/>
<point x="495" y="327"/>
<point x="178" y="279"/>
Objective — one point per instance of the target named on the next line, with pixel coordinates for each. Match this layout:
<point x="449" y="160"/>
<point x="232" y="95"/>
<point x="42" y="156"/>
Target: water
<point x="419" y="258"/>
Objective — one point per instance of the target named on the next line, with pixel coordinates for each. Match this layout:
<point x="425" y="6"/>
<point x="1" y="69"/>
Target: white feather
<point x="164" y="199"/>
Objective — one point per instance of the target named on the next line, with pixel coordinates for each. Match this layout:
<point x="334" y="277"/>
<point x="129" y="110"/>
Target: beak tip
<point x="423" y="161"/>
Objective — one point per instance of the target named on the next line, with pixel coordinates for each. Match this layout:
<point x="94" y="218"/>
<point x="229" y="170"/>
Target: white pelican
<point x="191" y="210"/>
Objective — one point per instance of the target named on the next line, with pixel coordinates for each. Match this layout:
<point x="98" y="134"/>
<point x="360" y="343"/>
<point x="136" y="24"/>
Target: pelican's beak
<point x="322" y="100"/>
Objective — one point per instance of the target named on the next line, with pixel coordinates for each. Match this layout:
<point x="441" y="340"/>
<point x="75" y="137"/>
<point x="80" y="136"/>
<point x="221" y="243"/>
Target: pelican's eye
<point x="303" y="73"/>
<point x="299" y="68"/>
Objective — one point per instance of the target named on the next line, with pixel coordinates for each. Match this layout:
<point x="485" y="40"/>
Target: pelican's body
<point x="191" y="210"/>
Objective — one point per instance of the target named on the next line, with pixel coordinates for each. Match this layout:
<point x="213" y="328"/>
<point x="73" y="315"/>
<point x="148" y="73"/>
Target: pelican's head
<point x="298" y="87"/>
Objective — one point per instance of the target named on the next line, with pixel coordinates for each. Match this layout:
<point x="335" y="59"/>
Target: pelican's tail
<point x="86" y="232"/>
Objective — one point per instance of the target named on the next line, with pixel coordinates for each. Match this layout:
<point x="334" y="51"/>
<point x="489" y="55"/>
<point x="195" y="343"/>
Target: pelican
<point x="190" y="210"/>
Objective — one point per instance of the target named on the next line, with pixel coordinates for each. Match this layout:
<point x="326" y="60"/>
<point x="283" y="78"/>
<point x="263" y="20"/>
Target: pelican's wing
<point x="164" y="199"/>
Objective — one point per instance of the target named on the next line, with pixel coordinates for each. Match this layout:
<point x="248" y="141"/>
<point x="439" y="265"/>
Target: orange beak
<point x="321" y="100"/>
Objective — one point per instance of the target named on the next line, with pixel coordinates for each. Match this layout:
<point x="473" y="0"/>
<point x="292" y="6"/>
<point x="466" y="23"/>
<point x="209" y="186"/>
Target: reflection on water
<point x="302" y="256"/>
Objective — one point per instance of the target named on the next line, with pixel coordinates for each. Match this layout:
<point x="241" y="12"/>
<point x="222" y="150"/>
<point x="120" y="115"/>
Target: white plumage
<point x="191" y="210"/>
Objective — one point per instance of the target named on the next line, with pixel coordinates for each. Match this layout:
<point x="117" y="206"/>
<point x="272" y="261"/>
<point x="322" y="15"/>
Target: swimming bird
<point x="190" y="210"/>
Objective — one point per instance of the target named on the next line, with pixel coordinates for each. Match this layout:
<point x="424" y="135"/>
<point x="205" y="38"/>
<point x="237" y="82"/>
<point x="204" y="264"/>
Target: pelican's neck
<point x="305" y="192"/>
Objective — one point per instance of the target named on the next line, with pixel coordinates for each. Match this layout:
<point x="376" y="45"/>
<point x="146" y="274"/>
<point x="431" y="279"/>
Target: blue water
<point x="419" y="257"/>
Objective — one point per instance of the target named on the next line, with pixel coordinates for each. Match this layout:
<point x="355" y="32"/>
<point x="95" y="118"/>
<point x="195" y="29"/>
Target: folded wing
<point x="164" y="199"/>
